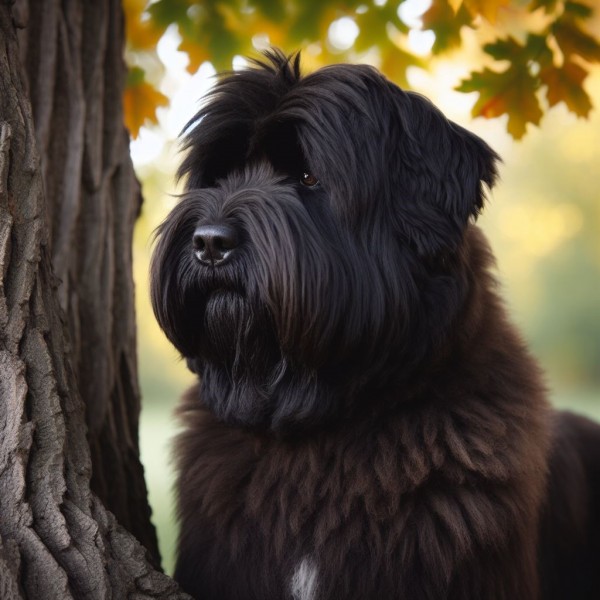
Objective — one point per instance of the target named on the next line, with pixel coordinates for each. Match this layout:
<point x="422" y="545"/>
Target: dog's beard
<point x="239" y="357"/>
<point x="245" y="378"/>
<point x="230" y="329"/>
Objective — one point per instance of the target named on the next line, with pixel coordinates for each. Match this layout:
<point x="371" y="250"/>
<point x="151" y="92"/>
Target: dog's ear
<point x="449" y="171"/>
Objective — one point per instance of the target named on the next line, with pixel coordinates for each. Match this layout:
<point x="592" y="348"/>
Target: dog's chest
<point x="383" y="510"/>
<point x="304" y="520"/>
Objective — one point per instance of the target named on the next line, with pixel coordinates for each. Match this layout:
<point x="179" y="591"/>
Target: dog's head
<point x="313" y="261"/>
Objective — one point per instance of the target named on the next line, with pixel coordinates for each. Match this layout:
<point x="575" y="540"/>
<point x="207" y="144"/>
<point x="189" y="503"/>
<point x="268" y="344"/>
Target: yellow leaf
<point x="395" y="61"/>
<point x="253" y="23"/>
<point x="455" y="5"/>
<point x="488" y="9"/>
<point x="312" y="59"/>
<point x="235" y="20"/>
<point x="141" y="34"/>
<point x="197" y="53"/>
<point x="139" y="105"/>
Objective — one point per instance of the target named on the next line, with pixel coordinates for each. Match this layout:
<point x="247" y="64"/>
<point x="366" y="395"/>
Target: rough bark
<point x="57" y="540"/>
<point x="72" y="52"/>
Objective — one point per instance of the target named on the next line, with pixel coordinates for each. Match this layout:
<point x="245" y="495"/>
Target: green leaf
<point x="135" y="76"/>
<point x="308" y="20"/>
<point x="572" y="40"/>
<point x="508" y="49"/>
<point x="548" y="5"/>
<point x="205" y="36"/>
<point x="446" y="25"/>
<point x="372" y="24"/>
<point x="165" y="12"/>
<point x="565" y="84"/>
<point x="537" y="49"/>
<point x="276" y="10"/>
<point x="578" y="10"/>
<point x="511" y="92"/>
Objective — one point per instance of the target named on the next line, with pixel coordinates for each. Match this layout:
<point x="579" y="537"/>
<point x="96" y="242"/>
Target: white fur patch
<point x="303" y="584"/>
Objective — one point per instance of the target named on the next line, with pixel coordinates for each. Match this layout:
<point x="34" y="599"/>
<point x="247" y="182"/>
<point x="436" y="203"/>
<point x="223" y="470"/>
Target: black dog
<point x="367" y="424"/>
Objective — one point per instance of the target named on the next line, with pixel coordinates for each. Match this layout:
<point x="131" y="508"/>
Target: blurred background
<point x="530" y="67"/>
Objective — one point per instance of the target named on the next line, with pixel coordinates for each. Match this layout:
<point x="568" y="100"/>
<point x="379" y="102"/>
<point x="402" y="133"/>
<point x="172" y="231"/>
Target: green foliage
<point x="533" y="55"/>
<point x="446" y="23"/>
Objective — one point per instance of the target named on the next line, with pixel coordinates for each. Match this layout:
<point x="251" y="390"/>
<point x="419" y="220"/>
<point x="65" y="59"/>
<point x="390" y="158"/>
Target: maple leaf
<point x="196" y="52"/>
<point x="140" y="101"/>
<point x="488" y="9"/>
<point x="573" y="40"/>
<point x="576" y="9"/>
<point x="511" y="92"/>
<point x="549" y="5"/>
<point x="373" y="22"/>
<point x="165" y="12"/>
<point x="276" y="10"/>
<point x="520" y="56"/>
<point x="537" y="49"/>
<point x="446" y="23"/>
<point x="247" y="25"/>
<point x="311" y="19"/>
<point x="394" y="63"/>
<point x="565" y="84"/>
<point x="205" y="36"/>
<point x="505" y="49"/>
<point x="141" y="34"/>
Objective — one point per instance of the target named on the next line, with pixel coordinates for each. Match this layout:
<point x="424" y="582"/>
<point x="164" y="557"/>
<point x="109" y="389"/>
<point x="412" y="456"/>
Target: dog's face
<point x="315" y="257"/>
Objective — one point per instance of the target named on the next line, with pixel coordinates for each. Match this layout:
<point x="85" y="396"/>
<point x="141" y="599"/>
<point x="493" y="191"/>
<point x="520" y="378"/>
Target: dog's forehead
<point x="333" y="106"/>
<point x="345" y="79"/>
<point x="341" y="87"/>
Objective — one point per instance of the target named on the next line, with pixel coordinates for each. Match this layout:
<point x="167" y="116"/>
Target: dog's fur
<point x="367" y="423"/>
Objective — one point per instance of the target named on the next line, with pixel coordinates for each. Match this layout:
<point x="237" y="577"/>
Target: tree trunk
<point x="73" y="55"/>
<point x="68" y="196"/>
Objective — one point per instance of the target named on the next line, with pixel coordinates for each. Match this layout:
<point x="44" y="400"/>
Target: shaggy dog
<point x="367" y="423"/>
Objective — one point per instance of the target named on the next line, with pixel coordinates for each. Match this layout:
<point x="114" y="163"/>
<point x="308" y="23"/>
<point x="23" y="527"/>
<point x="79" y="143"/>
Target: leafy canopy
<point x="529" y="54"/>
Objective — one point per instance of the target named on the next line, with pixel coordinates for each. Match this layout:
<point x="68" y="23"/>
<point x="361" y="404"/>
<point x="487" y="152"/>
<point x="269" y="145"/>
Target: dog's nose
<point x="214" y="244"/>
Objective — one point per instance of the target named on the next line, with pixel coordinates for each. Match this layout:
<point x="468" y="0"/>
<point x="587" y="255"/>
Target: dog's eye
<point x="308" y="179"/>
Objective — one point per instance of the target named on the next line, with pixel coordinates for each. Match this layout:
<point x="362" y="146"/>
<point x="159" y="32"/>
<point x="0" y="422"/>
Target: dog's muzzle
<point x="214" y="244"/>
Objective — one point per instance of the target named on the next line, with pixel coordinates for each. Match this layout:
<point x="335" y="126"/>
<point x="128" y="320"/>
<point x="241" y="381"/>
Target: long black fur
<point x="365" y="413"/>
